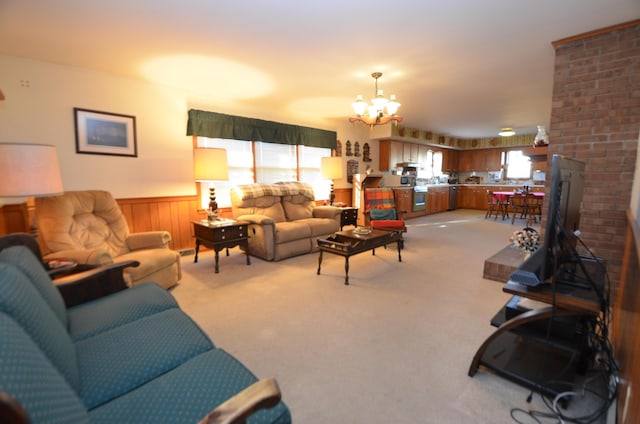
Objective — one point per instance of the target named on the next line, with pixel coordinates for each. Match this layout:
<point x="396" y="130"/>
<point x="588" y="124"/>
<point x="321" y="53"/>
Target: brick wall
<point x="595" y="118"/>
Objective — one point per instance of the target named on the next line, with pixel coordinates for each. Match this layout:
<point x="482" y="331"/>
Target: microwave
<point x="397" y="180"/>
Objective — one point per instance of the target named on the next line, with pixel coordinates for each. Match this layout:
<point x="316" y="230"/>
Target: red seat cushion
<point x="388" y="223"/>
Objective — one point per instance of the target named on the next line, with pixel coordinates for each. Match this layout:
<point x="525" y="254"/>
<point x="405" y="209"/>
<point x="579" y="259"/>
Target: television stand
<point x="529" y="350"/>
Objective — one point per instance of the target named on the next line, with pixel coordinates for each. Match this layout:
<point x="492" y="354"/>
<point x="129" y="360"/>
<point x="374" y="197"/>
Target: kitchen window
<point x="518" y="165"/>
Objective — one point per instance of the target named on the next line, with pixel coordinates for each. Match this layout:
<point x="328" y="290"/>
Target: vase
<point x="527" y="255"/>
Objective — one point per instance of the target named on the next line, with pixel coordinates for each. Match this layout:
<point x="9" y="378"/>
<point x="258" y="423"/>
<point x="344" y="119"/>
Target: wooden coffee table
<point x="349" y="243"/>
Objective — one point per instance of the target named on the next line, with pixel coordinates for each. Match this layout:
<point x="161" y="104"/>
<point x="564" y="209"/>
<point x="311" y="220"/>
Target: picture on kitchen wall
<point x="104" y="133"/>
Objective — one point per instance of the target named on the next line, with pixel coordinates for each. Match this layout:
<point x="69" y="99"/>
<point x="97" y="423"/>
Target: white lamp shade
<point x="29" y="170"/>
<point x="210" y="164"/>
<point x="331" y="167"/>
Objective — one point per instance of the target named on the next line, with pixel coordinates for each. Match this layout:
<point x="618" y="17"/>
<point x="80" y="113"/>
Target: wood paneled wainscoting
<point x="626" y="327"/>
<point x="173" y="214"/>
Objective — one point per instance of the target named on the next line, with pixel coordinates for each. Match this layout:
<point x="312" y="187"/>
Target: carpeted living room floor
<point x="392" y="347"/>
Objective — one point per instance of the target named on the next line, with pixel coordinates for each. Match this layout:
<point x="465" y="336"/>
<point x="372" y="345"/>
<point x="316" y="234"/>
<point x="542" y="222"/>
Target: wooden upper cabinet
<point x="449" y="160"/>
<point x="465" y="161"/>
<point x="481" y="160"/>
<point x="410" y="152"/>
<point x="493" y="159"/>
<point x="390" y="154"/>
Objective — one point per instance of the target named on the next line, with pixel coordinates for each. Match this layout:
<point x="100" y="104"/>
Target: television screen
<point x="557" y="256"/>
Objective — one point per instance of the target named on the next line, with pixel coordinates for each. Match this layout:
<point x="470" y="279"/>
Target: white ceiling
<point x="464" y="68"/>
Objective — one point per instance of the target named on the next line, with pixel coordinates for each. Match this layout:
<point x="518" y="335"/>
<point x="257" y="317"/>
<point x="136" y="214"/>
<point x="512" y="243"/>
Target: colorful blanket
<point x="290" y="188"/>
<point x="379" y="198"/>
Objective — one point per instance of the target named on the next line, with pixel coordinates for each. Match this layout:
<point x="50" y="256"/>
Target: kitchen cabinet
<point x="481" y="160"/>
<point x="437" y="199"/>
<point x="493" y="160"/>
<point x="410" y="152"/>
<point x="472" y="197"/>
<point x="391" y="153"/>
<point x="404" y="201"/>
<point x="449" y="160"/>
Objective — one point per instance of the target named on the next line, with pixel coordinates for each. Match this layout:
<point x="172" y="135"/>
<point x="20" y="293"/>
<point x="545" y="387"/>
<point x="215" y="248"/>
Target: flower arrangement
<point x="526" y="239"/>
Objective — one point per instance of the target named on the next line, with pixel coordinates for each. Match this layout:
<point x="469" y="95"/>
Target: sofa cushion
<point x="297" y="207"/>
<point x="187" y="394"/>
<point x="30" y="265"/>
<point x="289" y="231"/>
<point x="151" y="260"/>
<point x="29" y="377"/>
<point x="321" y="226"/>
<point x="115" y="362"/>
<point x="117" y="309"/>
<point x="81" y="220"/>
<point x="27" y="307"/>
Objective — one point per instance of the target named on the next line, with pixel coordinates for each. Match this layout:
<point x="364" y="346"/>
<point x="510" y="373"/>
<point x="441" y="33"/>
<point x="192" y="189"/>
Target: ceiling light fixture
<point x="380" y="111"/>
<point x="506" y="132"/>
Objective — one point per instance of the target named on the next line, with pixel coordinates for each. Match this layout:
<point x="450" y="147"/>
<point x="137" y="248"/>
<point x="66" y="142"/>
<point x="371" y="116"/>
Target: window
<point x="273" y="162"/>
<point x="437" y="164"/>
<point x="518" y="165"/>
<point x="432" y="165"/>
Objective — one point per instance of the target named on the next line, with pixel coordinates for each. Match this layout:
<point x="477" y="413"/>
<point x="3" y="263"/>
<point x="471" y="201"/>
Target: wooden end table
<point x="348" y="216"/>
<point x="221" y="234"/>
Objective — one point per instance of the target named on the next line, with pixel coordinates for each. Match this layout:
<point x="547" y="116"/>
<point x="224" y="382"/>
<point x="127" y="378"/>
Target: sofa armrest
<point x="332" y="212"/>
<point x="256" y="219"/>
<point x="82" y="256"/>
<point x="93" y="284"/>
<point x="262" y="394"/>
<point x="148" y="240"/>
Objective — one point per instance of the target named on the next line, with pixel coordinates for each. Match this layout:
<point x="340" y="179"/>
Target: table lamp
<point x="210" y="165"/>
<point x="331" y="168"/>
<point x="29" y="170"/>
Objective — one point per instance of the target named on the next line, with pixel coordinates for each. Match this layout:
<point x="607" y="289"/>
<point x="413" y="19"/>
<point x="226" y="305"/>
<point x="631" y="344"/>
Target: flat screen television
<point x="557" y="259"/>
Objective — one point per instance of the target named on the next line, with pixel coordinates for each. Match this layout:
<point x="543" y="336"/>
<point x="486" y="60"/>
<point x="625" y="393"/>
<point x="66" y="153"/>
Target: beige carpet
<point x="392" y="347"/>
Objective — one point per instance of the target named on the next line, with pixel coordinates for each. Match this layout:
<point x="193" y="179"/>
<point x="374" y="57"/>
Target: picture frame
<point x="105" y="133"/>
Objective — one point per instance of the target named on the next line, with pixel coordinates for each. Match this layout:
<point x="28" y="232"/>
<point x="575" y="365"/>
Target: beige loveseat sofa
<point x="283" y="218"/>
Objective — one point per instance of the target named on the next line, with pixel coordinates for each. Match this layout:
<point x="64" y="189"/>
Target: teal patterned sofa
<point x="130" y="357"/>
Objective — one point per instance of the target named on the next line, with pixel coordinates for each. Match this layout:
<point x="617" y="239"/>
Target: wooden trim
<point x="594" y="33"/>
<point x="625" y="333"/>
<point x="171" y="213"/>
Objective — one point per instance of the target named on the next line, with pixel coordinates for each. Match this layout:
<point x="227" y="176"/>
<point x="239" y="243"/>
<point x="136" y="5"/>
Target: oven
<point x="419" y="198"/>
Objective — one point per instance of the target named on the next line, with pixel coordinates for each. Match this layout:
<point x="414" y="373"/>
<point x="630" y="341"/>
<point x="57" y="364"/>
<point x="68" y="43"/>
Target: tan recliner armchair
<point x="89" y="227"/>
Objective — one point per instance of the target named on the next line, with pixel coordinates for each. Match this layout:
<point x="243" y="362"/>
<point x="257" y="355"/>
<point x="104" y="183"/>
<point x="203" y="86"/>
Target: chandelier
<point x="380" y="111"/>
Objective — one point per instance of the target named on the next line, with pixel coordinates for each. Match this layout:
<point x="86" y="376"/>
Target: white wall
<point x="41" y="111"/>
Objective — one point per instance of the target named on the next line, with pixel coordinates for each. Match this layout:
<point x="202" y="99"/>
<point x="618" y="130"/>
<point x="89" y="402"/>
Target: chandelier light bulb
<point x="359" y="106"/>
<point x="380" y="111"/>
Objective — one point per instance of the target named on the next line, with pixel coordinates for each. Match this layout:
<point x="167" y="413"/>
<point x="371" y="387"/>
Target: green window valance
<point x="219" y="125"/>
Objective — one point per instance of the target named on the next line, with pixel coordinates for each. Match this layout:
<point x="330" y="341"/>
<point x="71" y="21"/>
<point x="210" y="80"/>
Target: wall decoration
<point x="356" y="149"/>
<point x="352" y="168"/>
<point x="441" y="139"/>
<point x="104" y="133"/>
<point x="366" y="152"/>
<point x="428" y="135"/>
<point x="338" y="148"/>
<point x="349" y="152"/>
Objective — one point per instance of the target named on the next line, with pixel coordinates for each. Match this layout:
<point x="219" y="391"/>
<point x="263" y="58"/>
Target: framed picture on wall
<point x="104" y="133"/>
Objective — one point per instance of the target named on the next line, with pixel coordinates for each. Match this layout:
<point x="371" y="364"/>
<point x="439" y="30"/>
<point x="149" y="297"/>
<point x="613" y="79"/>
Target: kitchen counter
<point x="488" y="185"/>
